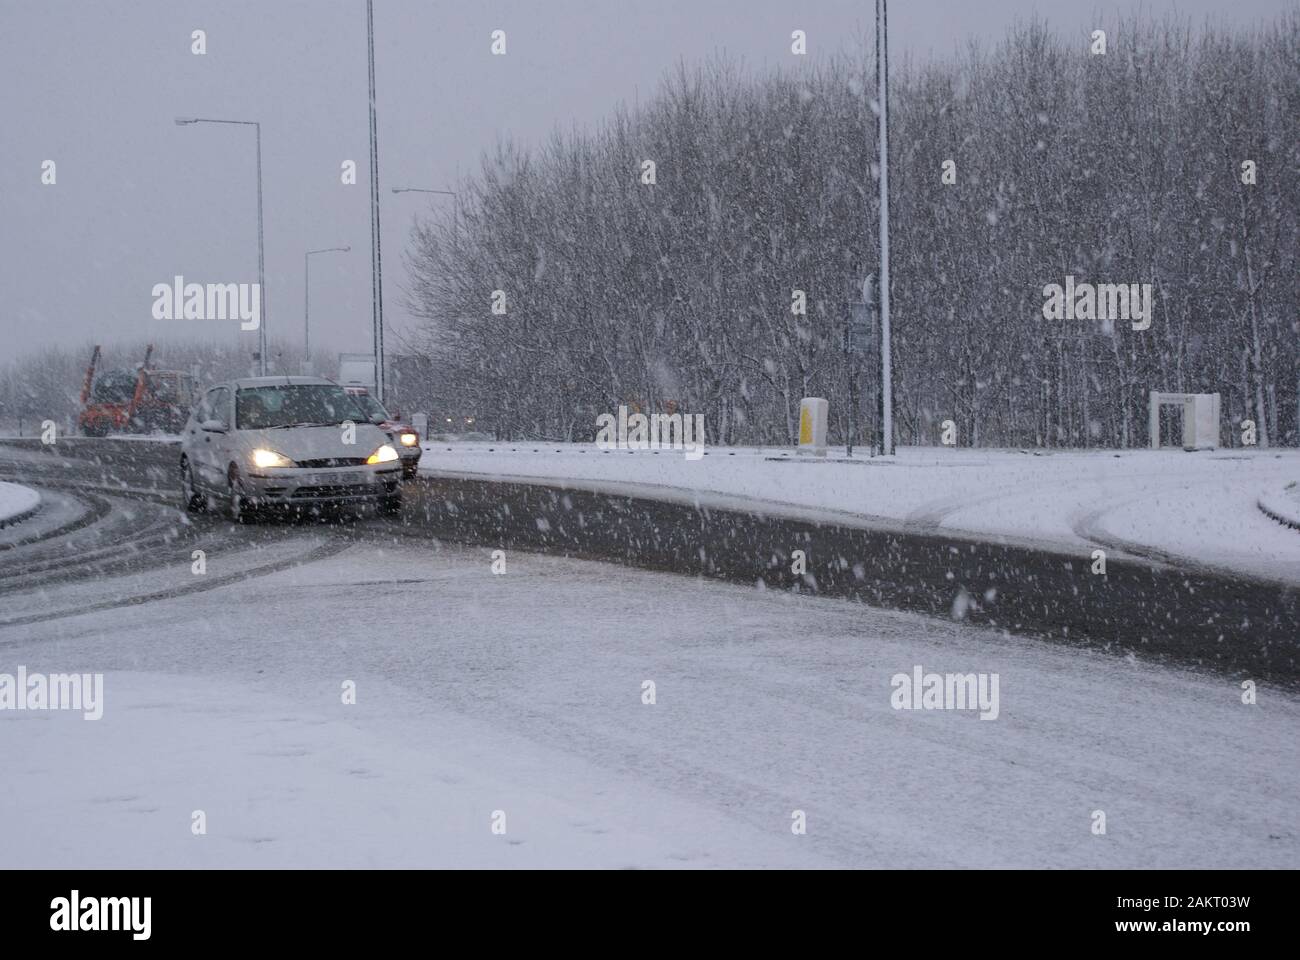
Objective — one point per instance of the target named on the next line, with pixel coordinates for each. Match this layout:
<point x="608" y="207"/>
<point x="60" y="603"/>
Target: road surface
<point x="518" y="700"/>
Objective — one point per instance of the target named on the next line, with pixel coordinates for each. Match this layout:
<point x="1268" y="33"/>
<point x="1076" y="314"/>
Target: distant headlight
<point x="384" y="454"/>
<point x="269" y="458"/>
<point x="408" y="439"/>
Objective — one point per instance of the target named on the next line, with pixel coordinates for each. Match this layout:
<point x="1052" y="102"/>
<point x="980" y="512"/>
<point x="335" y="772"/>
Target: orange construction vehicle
<point x="118" y="401"/>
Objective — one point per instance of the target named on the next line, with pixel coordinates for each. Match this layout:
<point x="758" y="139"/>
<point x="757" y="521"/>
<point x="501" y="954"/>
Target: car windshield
<point x="294" y="405"/>
<point x="369" y="405"/>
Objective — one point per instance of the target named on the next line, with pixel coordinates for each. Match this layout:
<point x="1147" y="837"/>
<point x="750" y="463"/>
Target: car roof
<point x="285" y="381"/>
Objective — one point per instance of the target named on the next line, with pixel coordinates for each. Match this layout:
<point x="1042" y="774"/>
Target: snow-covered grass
<point x="16" y="502"/>
<point x="1199" y="506"/>
<point x="154" y="437"/>
<point x="148" y="437"/>
<point x="1283" y="505"/>
<point x="523" y="693"/>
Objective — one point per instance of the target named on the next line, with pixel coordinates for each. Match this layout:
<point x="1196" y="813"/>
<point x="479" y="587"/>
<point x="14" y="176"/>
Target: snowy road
<point x="522" y="693"/>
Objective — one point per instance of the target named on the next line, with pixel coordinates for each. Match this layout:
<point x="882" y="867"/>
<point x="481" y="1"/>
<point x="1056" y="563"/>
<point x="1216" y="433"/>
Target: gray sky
<point x="95" y="86"/>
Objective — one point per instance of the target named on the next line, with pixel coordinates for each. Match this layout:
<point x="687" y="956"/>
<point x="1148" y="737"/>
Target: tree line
<point x="1169" y="160"/>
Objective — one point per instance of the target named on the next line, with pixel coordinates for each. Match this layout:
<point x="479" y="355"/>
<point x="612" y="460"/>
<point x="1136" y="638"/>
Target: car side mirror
<point x="213" y="426"/>
<point x="377" y="419"/>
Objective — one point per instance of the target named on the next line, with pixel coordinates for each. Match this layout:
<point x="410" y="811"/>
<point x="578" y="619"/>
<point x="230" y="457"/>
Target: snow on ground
<point x="57" y="510"/>
<point x="523" y="693"/>
<point x="16" y="501"/>
<point x="283" y="785"/>
<point x="1200" y="506"/>
<point x="1283" y="505"/>
<point x="158" y="437"/>
<point x="98" y="591"/>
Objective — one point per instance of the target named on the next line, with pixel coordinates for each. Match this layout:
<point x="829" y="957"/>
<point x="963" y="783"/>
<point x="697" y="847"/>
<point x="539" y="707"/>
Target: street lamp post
<point x="455" y="198"/>
<point x="376" y="256"/>
<point x="306" y="296"/>
<point x="455" y="202"/>
<point x="886" y="360"/>
<point x="261" y="260"/>
<point x="446" y="193"/>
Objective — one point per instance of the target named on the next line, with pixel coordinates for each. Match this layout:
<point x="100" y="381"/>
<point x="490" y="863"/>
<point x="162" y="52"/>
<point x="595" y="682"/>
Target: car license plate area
<point x="344" y="478"/>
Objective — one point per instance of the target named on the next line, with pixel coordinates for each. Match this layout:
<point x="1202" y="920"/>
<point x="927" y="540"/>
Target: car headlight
<point x="269" y="458"/>
<point x="408" y="439"/>
<point x="385" y="454"/>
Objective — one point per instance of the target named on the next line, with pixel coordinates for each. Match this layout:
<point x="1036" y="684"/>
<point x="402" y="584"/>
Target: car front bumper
<point x="292" y="486"/>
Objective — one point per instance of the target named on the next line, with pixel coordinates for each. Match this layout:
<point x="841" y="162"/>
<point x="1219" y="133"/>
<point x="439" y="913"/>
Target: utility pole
<point x="306" y="299"/>
<point x="886" y="359"/>
<point x="376" y="260"/>
<point x="261" y="259"/>
<point x="261" y="262"/>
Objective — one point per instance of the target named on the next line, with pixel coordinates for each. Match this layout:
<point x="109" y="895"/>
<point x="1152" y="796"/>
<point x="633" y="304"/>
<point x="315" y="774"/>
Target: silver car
<point x="298" y="442"/>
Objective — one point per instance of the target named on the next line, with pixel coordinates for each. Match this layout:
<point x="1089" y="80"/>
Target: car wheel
<point x="237" y="506"/>
<point x="391" y="504"/>
<point x="195" y="502"/>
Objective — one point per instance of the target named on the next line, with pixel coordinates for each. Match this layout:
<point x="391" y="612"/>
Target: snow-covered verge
<point x="17" y="502"/>
<point x="1283" y="505"/>
<point x="146" y="437"/>
<point x="523" y="693"/>
<point x="1201" y="507"/>
<point x="137" y="437"/>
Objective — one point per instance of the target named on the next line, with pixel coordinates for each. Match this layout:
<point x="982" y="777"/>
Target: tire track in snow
<point x="328" y="549"/>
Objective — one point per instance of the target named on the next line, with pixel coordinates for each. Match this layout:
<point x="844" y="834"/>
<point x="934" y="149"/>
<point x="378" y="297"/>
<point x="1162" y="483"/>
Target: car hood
<point x="315" y="443"/>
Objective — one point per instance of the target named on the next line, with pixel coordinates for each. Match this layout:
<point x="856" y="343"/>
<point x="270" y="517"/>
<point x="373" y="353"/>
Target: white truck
<point x="357" y="370"/>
